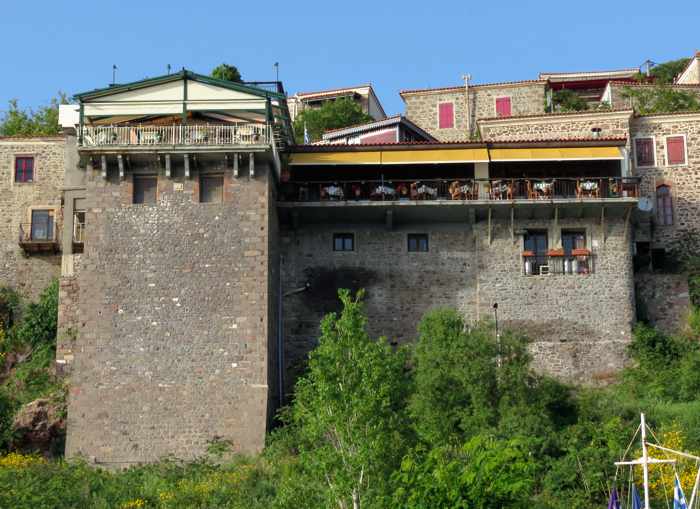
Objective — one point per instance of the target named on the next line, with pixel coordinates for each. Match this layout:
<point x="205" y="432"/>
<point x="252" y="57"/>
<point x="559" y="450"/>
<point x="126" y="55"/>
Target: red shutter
<point x="644" y="151"/>
<point x="503" y="107"/>
<point x="675" y="150"/>
<point x="446" y="115"/>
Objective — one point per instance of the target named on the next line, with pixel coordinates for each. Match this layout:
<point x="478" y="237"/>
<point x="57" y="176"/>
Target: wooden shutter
<point x="503" y="107"/>
<point x="675" y="150"/>
<point x="644" y="151"/>
<point x="446" y="115"/>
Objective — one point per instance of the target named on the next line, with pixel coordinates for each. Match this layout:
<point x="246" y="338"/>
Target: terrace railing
<point x="501" y="189"/>
<point x="582" y="263"/>
<point x="154" y="135"/>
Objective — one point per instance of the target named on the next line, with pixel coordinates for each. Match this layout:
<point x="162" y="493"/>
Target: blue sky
<point x="71" y="46"/>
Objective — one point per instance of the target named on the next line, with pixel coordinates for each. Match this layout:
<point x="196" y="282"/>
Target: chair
<point x="455" y="191"/>
<point x="531" y="193"/>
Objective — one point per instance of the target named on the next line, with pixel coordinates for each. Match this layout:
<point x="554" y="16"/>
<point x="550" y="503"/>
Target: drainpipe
<point x="280" y="342"/>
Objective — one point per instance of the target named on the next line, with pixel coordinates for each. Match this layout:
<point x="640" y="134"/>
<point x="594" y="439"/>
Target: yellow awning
<point x="316" y="158"/>
<point x="555" y="154"/>
<point x="467" y="155"/>
<point x="462" y="155"/>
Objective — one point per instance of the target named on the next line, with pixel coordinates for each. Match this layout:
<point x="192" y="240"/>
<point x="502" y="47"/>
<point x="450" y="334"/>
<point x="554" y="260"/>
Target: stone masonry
<point x="29" y="273"/>
<point x="177" y="306"/>
<point x="580" y="324"/>
<point x="527" y="98"/>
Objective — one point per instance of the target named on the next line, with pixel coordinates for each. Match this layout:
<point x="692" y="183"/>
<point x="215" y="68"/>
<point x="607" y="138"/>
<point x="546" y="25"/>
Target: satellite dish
<point x="645" y="204"/>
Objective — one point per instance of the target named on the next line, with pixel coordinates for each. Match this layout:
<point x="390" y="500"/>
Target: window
<point x="417" y="242"/>
<point x="675" y="150"/>
<point x="42" y="225"/>
<point x="446" y="115"/>
<point x="503" y="107"/>
<point x="343" y="242"/>
<point x="536" y="250"/>
<point x="79" y="226"/>
<point x="644" y="152"/>
<point x="145" y="189"/>
<point x="574" y="262"/>
<point x="211" y="189"/>
<point x="664" y="205"/>
<point x="24" y="169"/>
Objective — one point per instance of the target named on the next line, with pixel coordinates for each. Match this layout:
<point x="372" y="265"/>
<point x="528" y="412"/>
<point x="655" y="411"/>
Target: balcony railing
<point x="38" y="237"/>
<point x="503" y="189"/>
<point x="544" y="265"/>
<point x="78" y="233"/>
<point x="206" y="135"/>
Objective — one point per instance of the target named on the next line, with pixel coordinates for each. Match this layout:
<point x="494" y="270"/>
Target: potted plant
<point x="555" y="252"/>
<point x="581" y="252"/>
<point x="528" y="254"/>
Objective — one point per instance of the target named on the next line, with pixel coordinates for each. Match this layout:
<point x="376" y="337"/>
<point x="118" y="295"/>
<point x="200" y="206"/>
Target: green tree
<point x="484" y="473"/>
<point x="227" y="72"/>
<point x="666" y="72"/>
<point x="26" y="122"/>
<point x="567" y="100"/>
<point x="661" y="99"/>
<point x="342" y="112"/>
<point x="349" y="410"/>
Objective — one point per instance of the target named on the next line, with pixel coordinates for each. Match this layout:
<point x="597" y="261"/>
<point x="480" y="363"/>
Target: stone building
<point x="31" y="182"/>
<point x="363" y="95"/>
<point x="199" y="248"/>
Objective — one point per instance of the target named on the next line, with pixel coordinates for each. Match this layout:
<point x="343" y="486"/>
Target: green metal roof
<point x="184" y="74"/>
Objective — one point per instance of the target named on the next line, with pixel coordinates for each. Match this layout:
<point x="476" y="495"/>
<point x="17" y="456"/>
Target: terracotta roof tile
<point x="479" y="85"/>
<point x="330" y="91"/>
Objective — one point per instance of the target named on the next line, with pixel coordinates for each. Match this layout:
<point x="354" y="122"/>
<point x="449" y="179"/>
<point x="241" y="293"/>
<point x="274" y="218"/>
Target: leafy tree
<point x="349" y="410"/>
<point x="484" y="473"/>
<point x="27" y="122"/>
<point x="342" y="112"/>
<point x="567" y="100"/>
<point x="667" y="71"/>
<point x="661" y="99"/>
<point x="227" y="72"/>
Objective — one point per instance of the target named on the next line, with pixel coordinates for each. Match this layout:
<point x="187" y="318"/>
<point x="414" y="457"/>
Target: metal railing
<point x="39" y="233"/>
<point x="543" y="265"/>
<point x="149" y="135"/>
<point x="501" y="189"/>
<point x="78" y="233"/>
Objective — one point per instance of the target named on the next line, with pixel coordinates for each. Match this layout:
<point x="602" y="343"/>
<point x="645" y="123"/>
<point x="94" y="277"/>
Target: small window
<point x="446" y="115"/>
<point x="145" y="189"/>
<point x="42" y="225"/>
<point x="211" y="189"/>
<point x="417" y="242"/>
<point x="675" y="150"/>
<point x="644" y="152"/>
<point x="503" y="107"/>
<point x="664" y="205"/>
<point x="24" y="169"/>
<point x="343" y="242"/>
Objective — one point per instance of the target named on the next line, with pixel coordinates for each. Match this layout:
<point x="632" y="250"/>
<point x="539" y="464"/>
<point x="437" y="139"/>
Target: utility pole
<point x="466" y="78"/>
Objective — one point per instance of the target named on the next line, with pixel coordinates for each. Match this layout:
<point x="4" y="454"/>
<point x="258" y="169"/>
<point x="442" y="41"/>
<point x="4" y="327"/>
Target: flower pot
<point x="527" y="254"/>
<point x="581" y="252"/>
<point x="555" y="252"/>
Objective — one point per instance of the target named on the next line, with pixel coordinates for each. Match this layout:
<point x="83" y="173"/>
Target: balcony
<point x="39" y="237"/>
<point x="580" y="262"/>
<point x="204" y="135"/>
<point x="453" y="191"/>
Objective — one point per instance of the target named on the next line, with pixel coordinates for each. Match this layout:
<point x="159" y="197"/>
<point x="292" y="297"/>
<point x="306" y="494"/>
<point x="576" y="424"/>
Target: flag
<point x="636" y="502"/>
<point x="678" y="496"/>
<point x="614" y="502"/>
<point x="307" y="140"/>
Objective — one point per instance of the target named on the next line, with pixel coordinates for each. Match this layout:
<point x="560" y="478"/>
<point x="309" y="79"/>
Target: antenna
<point x="168" y="66"/>
<point x="114" y="74"/>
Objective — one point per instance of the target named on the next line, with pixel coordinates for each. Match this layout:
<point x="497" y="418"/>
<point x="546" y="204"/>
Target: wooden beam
<point x="120" y="161"/>
<point x="168" y="166"/>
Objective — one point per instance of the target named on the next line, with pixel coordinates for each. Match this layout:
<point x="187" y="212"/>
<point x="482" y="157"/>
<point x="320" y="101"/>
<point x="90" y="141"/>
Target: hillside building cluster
<point x="197" y="247"/>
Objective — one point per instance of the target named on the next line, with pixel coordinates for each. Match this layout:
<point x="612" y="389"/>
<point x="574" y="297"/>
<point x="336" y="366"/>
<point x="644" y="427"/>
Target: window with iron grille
<point x="343" y="242"/>
<point x="418" y="243"/>
<point x="211" y="188"/>
<point x="24" y="169"/>
<point x="145" y="189"/>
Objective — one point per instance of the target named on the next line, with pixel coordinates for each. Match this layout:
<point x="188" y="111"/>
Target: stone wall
<point x="527" y="98"/>
<point x="683" y="180"/>
<point x="664" y="300"/>
<point x="28" y="273"/>
<point x="557" y="126"/>
<point x="580" y="323"/>
<point x="175" y="308"/>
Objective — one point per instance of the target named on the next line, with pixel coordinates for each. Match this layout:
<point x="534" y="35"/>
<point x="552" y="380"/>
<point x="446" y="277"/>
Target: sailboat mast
<point x="645" y="462"/>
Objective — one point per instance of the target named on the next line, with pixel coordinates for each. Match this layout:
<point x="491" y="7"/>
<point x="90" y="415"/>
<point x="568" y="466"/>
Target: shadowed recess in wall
<point x="322" y="296"/>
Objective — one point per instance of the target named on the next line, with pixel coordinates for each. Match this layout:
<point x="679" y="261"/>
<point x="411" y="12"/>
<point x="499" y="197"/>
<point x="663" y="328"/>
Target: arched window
<point x="664" y="205"/>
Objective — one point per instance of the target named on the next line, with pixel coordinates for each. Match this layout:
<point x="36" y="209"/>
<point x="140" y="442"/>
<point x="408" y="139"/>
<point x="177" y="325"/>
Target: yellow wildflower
<point x="136" y="503"/>
<point x="15" y="460"/>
